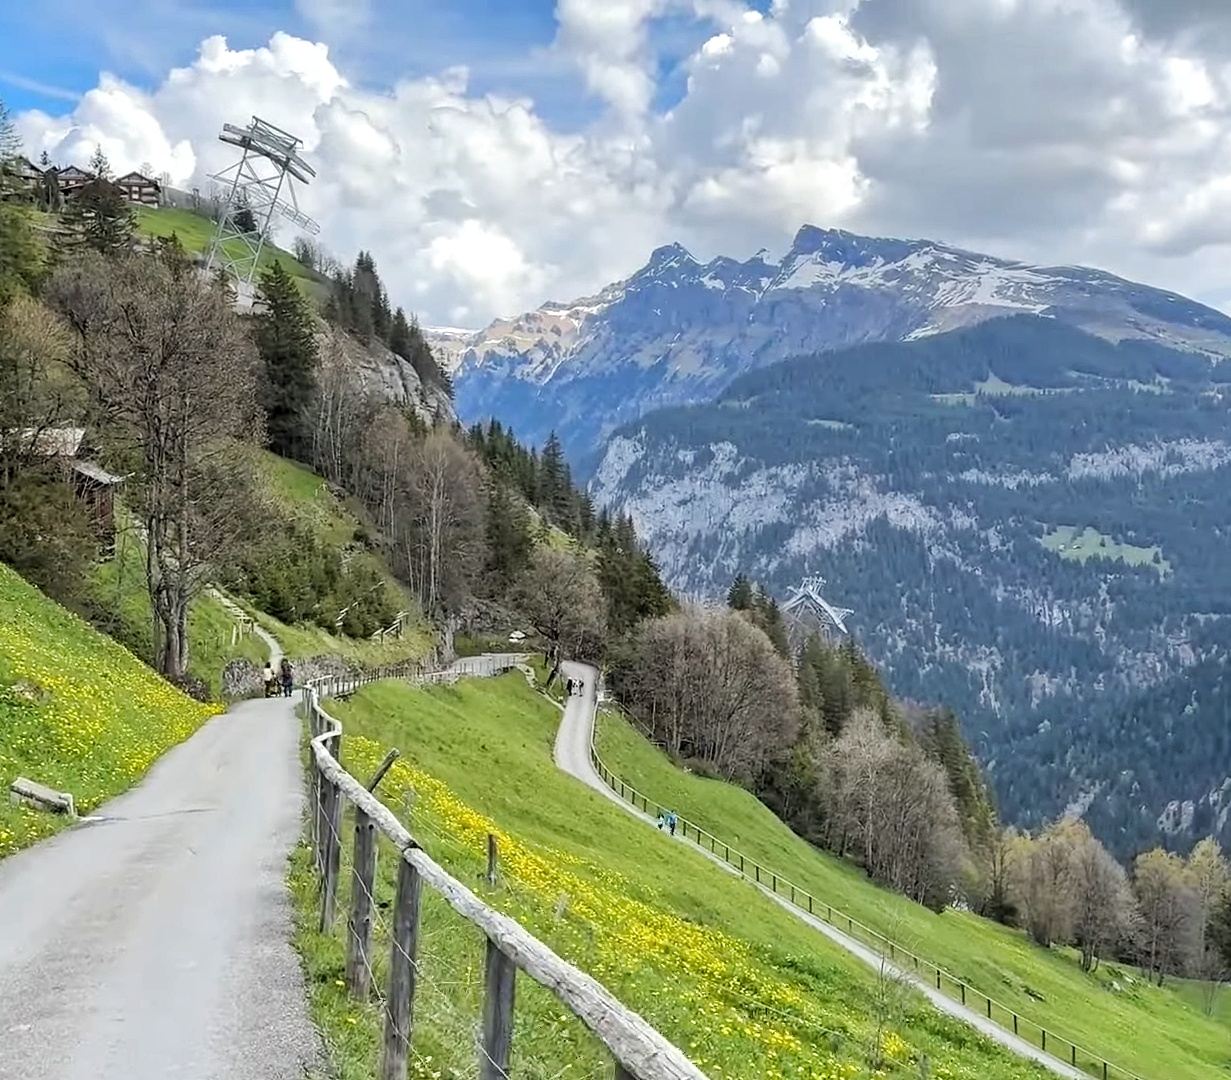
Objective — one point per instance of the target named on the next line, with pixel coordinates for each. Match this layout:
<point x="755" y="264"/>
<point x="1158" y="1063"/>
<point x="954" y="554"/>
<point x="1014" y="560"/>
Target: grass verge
<point x="1157" y="1032"/>
<point x="738" y="984"/>
<point x="78" y="711"/>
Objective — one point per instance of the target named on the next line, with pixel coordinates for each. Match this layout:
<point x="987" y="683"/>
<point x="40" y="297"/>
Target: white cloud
<point x="1058" y="130"/>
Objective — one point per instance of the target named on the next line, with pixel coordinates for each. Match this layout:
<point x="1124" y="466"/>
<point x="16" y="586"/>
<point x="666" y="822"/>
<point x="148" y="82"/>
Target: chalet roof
<point x="71" y="172"/>
<point x="25" y="167"/>
<point x="137" y="178"/>
<point x="99" y="475"/>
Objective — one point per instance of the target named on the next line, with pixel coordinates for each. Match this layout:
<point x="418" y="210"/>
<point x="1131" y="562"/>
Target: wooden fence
<point x="1002" y="1015"/>
<point x="639" y="1052"/>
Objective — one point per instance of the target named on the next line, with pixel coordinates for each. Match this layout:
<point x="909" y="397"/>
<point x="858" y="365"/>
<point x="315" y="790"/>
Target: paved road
<point x="154" y="944"/>
<point x="572" y="755"/>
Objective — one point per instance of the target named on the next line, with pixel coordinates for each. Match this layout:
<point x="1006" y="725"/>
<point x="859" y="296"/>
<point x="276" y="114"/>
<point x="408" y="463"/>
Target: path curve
<point x="572" y="755"/>
<point x="154" y="941"/>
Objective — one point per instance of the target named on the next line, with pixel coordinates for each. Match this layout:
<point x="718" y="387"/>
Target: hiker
<point x="671" y="822"/>
<point x="288" y="678"/>
<point x="569" y="687"/>
<point x="662" y="820"/>
<point x="270" y="680"/>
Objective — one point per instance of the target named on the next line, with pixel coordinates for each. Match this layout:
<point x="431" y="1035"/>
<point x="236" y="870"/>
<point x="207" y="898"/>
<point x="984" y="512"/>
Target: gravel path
<point x="153" y="943"/>
<point x="572" y="755"/>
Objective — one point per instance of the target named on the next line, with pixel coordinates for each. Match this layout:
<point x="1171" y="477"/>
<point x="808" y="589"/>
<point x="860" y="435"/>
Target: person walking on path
<point x="270" y="680"/>
<point x="288" y="678"/>
<point x="568" y="687"/>
<point x="671" y="822"/>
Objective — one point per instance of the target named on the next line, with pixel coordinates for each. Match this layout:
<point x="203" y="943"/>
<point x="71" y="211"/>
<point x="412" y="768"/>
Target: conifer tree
<point x="509" y="541"/>
<point x="287" y="342"/>
<point x="98" y="216"/>
<point x="739" y="595"/>
<point x="99" y="165"/>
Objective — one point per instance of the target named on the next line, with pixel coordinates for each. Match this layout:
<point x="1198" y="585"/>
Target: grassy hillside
<point x="78" y="712"/>
<point x="743" y="988"/>
<point x="195" y="230"/>
<point x="303" y="495"/>
<point x="1159" y="1033"/>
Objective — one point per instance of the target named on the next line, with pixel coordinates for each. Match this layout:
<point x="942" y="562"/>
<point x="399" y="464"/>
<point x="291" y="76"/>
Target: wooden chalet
<point x="72" y="180"/>
<point x="25" y="173"/>
<point x="140" y="189"/>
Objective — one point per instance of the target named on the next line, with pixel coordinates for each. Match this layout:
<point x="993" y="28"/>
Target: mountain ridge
<point x="678" y="330"/>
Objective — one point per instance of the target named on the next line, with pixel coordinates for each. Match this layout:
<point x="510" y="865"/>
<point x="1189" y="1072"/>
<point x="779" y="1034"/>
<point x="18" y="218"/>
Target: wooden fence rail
<point x="639" y="1052"/>
<point x="1046" y="1039"/>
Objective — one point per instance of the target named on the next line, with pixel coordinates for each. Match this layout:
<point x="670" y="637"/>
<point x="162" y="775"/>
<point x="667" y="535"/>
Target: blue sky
<point x="53" y="51"/>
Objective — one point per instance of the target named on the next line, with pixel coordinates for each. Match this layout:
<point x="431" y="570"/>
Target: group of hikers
<point x="667" y="819"/>
<point x="279" y="683"/>
<point x="575" y="686"/>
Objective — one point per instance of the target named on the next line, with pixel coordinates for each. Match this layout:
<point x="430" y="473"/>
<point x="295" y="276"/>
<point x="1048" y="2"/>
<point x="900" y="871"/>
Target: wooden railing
<point x="783" y="888"/>
<point x="639" y="1052"/>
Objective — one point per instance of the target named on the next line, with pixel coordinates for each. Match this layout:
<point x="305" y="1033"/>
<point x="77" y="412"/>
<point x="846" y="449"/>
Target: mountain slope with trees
<point x="1029" y="523"/>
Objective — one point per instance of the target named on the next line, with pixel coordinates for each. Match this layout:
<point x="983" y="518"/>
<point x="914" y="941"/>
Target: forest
<point x="1095" y="682"/>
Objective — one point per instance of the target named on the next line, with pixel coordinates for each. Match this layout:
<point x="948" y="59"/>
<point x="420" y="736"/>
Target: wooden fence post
<point x="491" y="860"/>
<point x="322" y="820"/>
<point x="399" y="1021"/>
<point x="499" y="984"/>
<point x="359" y="940"/>
<point x="333" y="853"/>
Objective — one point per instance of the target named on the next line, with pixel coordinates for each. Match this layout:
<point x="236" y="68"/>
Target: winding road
<point x="572" y="755"/>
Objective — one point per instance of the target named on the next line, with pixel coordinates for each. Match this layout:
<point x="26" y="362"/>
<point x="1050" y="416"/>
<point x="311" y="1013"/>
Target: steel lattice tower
<point x="262" y="182"/>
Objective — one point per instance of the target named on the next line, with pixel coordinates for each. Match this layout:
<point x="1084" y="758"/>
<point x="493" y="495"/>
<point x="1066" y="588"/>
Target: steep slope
<point x="1029" y="522"/>
<point x="740" y="985"/>
<point x="678" y="331"/>
<point x="1155" y="1031"/>
<point x="78" y="712"/>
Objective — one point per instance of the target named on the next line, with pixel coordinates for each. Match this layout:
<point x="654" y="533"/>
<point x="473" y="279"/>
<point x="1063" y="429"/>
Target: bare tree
<point x="560" y="595"/>
<point x="1210" y="877"/>
<point x="1103" y="907"/>
<point x="712" y="687"/>
<point x="893" y="810"/>
<point x="439" y="520"/>
<point x="37" y="392"/>
<point x="173" y="375"/>
<point x="1041" y="872"/>
<point x="1169" y="913"/>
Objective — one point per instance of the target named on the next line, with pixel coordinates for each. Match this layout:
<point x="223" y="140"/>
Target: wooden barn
<point x="93" y="485"/>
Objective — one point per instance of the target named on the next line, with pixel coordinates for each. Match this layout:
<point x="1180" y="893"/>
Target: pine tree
<point x="98" y="216"/>
<point x="44" y="160"/>
<point x="553" y="495"/>
<point x="10" y="148"/>
<point x="739" y="595"/>
<point x="509" y="541"/>
<point x="99" y="165"/>
<point x="287" y="342"/>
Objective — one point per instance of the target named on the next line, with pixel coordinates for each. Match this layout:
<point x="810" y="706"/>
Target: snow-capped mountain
<point x="678" y="331"/>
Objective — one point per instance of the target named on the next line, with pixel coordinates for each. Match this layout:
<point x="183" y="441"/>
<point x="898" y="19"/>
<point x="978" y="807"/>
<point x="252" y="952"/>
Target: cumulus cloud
<point x="1056" y="130"/>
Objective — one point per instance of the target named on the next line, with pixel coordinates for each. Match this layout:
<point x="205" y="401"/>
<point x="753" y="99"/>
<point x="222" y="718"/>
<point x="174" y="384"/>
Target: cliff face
<point x="382" y="371"/>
